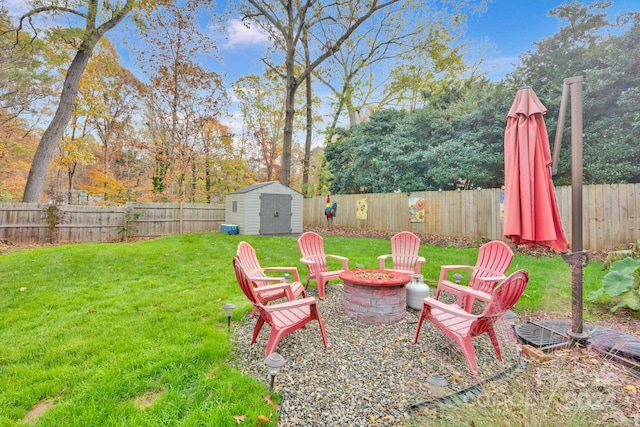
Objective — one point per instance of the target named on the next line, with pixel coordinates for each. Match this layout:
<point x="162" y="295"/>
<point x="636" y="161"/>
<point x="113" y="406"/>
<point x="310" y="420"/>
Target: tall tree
<point x="286" y="21"/>
<point x="183" y="93"/>
<point x="262" y="105"/>
<point x="110" y="95"/>
<point x="97" y="17"/>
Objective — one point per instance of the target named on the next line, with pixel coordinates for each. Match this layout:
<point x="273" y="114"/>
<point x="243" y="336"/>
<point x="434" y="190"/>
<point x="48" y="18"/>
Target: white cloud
<point x="231" y="93"/>
<point x="241" y="35"/>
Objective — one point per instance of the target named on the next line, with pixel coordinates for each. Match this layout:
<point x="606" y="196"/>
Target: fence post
<point x="181" y="217"/>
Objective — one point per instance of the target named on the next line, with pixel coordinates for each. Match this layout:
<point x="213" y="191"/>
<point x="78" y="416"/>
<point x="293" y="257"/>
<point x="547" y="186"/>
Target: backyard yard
<point x="134" y="334"/>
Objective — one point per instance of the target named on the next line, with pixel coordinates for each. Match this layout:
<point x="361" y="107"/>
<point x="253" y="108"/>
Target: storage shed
<point x="265" y="208"/>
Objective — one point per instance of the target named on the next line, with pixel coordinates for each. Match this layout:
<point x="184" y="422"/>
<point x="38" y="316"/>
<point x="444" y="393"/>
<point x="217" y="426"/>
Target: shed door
<point x="275" y="213"/>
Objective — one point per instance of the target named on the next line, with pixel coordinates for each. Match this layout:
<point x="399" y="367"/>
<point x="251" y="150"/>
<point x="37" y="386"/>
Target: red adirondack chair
<point x="461" y="326"/>
<point x="312" y="249"/>
<point x="494" y="258"/>
<point x="404" y="254"/>
<point x="283" y="318"/>
<point x="247" y="256"/>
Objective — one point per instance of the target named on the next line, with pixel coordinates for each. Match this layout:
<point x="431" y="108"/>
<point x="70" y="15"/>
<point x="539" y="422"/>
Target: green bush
<point x="622" y="280"/>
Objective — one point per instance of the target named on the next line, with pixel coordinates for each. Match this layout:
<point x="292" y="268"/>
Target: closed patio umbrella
<point x="531" y="214"/>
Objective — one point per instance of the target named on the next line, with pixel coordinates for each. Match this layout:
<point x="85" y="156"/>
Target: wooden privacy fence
<point x="610" y="213"/>
<point x="23" y="223"/>
<point x="611" y="216"/>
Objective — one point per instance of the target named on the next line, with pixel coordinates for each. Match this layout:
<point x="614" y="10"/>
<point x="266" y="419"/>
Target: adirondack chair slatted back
<point x="494" y="258"/>
<point x="312" y="248"/>
<point x="505" y="296"/>
<point x="404" y="250"/>
<point x="404" y="256"/>
<point x="247" y="256"/>
<point x="244" y="282"/>
<point x="314" y="257"/>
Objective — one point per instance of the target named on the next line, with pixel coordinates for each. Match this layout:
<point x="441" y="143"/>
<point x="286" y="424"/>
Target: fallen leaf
<point x="240" y="418"/>
<point x="372" y="418"/>
<point x="271" y="402"/>
<point x="23" y="289"/>
<point x="631" y="388"/>
<point x="262" y="420"/>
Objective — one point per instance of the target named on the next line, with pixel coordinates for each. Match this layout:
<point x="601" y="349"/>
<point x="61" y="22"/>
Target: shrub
<point x="622" y="280"/>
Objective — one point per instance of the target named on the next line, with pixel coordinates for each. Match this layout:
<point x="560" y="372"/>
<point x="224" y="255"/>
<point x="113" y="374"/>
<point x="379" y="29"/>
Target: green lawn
<point x="134" y="333"/>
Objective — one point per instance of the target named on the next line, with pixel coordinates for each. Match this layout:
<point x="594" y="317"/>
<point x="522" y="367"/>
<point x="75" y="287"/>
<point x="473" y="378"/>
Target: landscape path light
<point x="457" y="277"/>
<point x="228" y="310"/>
<point x="274" y="362"/>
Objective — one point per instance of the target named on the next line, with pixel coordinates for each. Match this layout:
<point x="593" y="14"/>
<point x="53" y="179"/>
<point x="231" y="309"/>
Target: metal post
<point x="577" y="258"/>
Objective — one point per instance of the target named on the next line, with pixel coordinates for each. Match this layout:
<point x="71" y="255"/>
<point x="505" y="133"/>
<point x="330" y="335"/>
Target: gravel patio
<point x="372" y="374"/>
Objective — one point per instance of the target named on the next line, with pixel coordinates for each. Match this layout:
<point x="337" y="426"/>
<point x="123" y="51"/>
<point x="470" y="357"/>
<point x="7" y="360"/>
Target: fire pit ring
<point x="375" y="296"/>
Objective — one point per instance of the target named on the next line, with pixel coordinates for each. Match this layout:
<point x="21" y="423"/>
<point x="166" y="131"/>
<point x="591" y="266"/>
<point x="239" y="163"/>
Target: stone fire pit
<point x="375" y="296"/>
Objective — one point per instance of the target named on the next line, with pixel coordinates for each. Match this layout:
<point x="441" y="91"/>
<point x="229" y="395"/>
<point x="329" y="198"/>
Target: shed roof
<point x="258" y="186"/>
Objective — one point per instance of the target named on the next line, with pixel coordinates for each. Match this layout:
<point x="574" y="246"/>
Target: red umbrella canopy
<point x="531" y="214"/>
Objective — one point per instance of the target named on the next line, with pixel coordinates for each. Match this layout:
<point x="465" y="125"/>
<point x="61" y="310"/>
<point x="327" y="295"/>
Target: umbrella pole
<point x="577" y="258"/>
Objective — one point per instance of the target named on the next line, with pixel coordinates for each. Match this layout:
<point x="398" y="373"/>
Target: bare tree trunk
<point x="44" y="154"/>
<point x="289" y="115"/>
<point x="307" y="143"/>
<point x="207" y="175"/>
<point x="34" y="189"/>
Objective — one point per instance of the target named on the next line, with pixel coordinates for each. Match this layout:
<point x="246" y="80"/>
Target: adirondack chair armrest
<point x="420" y="259"/>
<point x="382" y="259"/>
<point x="449" y="308"/>
<point x="293" y="270"/>
<point x="303" y="302"/>
<point x="307" y="261"/>
<point x="455" y="267"/>
<point x="343" y="260"/>
<point x="444" y="270"/>
<point x="265" y="279"/>
<point x="314" y="267"/>
<point x="461" y="291"/>
<point x="270" y="288"/>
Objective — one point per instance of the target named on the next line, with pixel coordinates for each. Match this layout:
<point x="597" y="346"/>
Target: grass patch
<point x="134" y="334"/>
